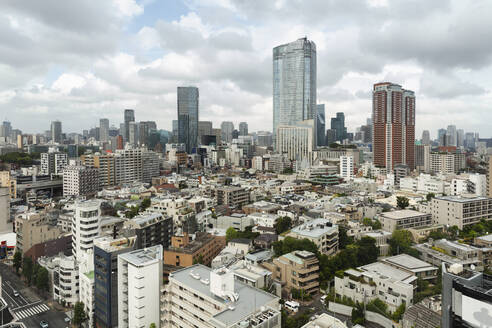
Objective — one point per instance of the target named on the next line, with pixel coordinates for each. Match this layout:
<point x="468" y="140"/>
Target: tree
<point x="231" y="233"/>
<point x="429" y="196"/>
<point x="145" y="204"/>
<point x="398" y="314"/>
<point x="17" y="261"/>
<point x="42" y="279"/>
<point x="401" y="242"/>
<point x="284" y="223"/>
<point x="358" y="315"/>
<point x="152" y="325"/>
<point x="368" y="251"/>
<point x="27" y="269"/>
<point x="343" y="239"/>
<point x="402" y="202"/>
<point x="79" y="315"/>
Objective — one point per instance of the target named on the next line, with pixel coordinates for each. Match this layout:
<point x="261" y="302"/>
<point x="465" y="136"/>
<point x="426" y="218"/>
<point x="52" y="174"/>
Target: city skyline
<point x="229" y="60"/>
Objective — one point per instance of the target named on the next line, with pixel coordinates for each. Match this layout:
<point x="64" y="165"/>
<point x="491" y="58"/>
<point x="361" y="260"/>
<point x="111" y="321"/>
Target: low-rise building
<point x="441" y="251"/>
<point x="34" y="228"/>
<point x="410" y="264"/>
<point x="296" y="270"/>
<point x="261" y="207"/>
<point x="404" y="219"/>
<point x="382" y="237"/>
<point x="325" y="320"/>
<point x="151" y="229"/>
<point x="185" y="251"/>
<point x="264" y="219"/>
<point x="460" y="211"/>
<point x="232" y="196"/>
<point x="321" y="232"/>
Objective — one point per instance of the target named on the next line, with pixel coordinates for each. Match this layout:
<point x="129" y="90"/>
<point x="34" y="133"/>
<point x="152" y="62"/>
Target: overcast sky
<point x="78" y="61"/>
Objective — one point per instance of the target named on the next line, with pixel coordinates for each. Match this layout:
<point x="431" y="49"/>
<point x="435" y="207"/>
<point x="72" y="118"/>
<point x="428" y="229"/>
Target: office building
<point x="226" y="129"/>
<point x="129" y="117"/>
<point x="460" y="211"/>
<point x="73" y="151"/>
<point x="53" y="162"/>
<point x="185" y="251"/>
<point x="320" y="125"/>
<point x="243" y="128"/>
<point x="80" y="180"/>
<point x="321" y="232"/>
<point x="442" y="137"/>
<point x="56" y="132"/>
<point x="201" y="297"/>
<point x="331" y="137"/>
<point x="104" y="130"/>
<point x="466" y="297"/>
<point x="106" y="251"/>
<point x="7" y="181"/>
<point x="33" y="228"/>
<point x="296" y="141"/>
<point x="188" y="117"/>
<point x="151" y="229"/>
<point x="139" y="287"/>
<point x="232" y="196"/>
<point x="393" y="126"/>
<point x="296" y="270"/>
<point x="133" y="134"/>
<point x="294" y="83"/>
<point x="86" y="225"/>
<point x="451" y="135"/>
<point x="338" y="125"/>
<point x="205" y="128"/>
<point x="347" y="168"/>
<point x="426" y="137"/>
<point x="404" y="219"/>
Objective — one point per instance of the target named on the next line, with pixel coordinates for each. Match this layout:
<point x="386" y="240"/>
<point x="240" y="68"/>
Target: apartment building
<point x="347" y="167"/>
<point x="32" y="228"/>
<point x="86" y="284"/>
<point x="7" y="181"/>
<point x="410" y="264"/>
<point x="53" y="162"/>
<point x="442" y="251"/>
<point x="232" y="196"/>
<point x="321" y="232"/>
<point x="404" y="219"/>
<point x="139" y="287"/>
<point x="80" y="180"/>
<point x="296" y="270"/>
<point x="106" y="166"/>
<point x="261" y="207"/>
<point x="198" y="296"/>
<point x="66" y="281"/>
<point x="106" y="251"/>
<point x="460" y="211"/>
<point x="151" y="229"/>
<point x="186" y="251"/>
<point x="377" y="280"/>
<point x="86" y="225"/>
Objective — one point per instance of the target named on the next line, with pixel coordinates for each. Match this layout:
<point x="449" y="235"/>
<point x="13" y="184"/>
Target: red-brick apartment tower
<point x="393" y="117"/>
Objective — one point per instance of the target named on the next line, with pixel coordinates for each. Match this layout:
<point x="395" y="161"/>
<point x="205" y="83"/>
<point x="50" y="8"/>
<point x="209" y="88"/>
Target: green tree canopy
<point x="402" y="202"/>
<point x="284" y="223"/>
<point x="368" y="251"/>
<point x="17" y="261"/>
<point x="27" y="269"/>
<point x="79" y="315"/>
<point x="42" y="279"/>
<point x="401" y="242"/>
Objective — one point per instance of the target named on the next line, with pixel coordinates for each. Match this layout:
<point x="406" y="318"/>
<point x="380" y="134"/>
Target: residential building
<point x="86" y="225"/>
<point x="53" y="162"/>
<point x="80" y="180"/>
<point x="106" y="251"/>
<point x="294" y="84"/>
<point x="325" y="320"/>
<point x="382" y="240"/>
<point x="404" y="219"/>
<point x="139" y="287"/>
<point x="86" y="285"/>
<point x="321" y="232"/>
<point x="232" y="196"/>
<point x="261" y="207"/>
<point x="6" y="181"/>
<point x="105" y="165"/>
<point x="201" y="297"/>
<point x="466" y="297"/>
<point x="460" y="211"/>
<point x="296" y="270"/>
<point x="393" y="126"/>
<point x="66" y="281"/>
<point x="296" y="141"/>
<point x="441" y="251"/>
<point x="32" y="228"/>
<point x="185" y="251"/>
<point x="347" y="168"/>
<point x="410" y="264"/>
<point x="151" y="229"/>
<point x="188" y="117"/>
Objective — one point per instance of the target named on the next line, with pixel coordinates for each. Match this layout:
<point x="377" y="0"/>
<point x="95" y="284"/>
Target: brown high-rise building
<point x="393" y="117"/>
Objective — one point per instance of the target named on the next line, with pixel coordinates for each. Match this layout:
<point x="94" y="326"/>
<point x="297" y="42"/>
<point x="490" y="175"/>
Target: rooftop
<point x="387" y="270"/>
<point x="143" y="257"/>
<point x="402" y="214"/>
<point x="147" y="219"/>
<point x="409" y="262"/>
<point x="461" y="199"/>
<point x="109" y="244"/>
<point x="315" y="228"/>
<point x="250" y="299"/>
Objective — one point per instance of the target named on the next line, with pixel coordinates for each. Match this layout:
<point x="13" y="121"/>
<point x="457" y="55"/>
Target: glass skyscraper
<point x="338" y="124"/>
<point x="188" y="117"/>
<point x="320" y="124"/>
<point x="294" y="83"/>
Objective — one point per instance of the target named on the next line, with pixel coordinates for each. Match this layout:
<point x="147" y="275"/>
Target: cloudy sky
<point x="78" y="61"/>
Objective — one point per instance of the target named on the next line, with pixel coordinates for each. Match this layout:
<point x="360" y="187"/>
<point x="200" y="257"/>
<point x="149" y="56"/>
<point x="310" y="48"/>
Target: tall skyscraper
<point x="56" y="131"/>
<point x="451" y="132"/>
<point x="132" y="133"/>
<point x="129" y="117"/>
<point x="320" y="124"/>
<point x="188" y="117"/>
<point x="426" y="137"/>
<point x="294" y="83"/>
<point x="204" y="129"/>
<point x="226" y="128"/>
<point x="338" y="124"/>
<point x="393" y="115"/>
<point x="104" y="129"/>
<point x="460" y="137"/>
<point x="441" y="137"/>
<point x="243" y="128"/>
<point x="6" y="129"/>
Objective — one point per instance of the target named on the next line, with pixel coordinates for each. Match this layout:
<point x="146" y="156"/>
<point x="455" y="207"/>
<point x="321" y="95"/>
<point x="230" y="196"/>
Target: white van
<point x="292" y="306"/>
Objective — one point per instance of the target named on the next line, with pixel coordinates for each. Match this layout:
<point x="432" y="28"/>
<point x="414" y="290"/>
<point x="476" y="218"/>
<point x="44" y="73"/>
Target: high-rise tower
<point x="188" y="117"/>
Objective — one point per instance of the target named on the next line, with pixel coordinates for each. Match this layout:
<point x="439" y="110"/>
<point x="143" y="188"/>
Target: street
<point x="27" y="306"/>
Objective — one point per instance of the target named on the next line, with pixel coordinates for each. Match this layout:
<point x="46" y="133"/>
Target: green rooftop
<point x="90" y="274"/>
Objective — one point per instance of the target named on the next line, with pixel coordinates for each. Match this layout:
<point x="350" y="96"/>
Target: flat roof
<point x="143" y="220"/>
<point x="409" y="262"/>
<point x="486" y="237"/>
<point x="387" y="270"/>
<point x="250" y="299"/>
<point x="460" y="199"/>
<point x="315" y="228"/>
<point x="144" y="256"/>
<point x="401" y="214"/>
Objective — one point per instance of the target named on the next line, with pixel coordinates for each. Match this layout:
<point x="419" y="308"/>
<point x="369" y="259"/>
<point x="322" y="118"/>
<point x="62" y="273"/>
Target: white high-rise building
<point x="87" y="221"/>
<point x="53" y="162"/>
<point x="198" y="296"/>
<point x="80" y="180"/>
<point x="139" y="287"/>
<point x="86" y="284"/>
<point x="347" y="167"/>
<point x="296" y="141"/>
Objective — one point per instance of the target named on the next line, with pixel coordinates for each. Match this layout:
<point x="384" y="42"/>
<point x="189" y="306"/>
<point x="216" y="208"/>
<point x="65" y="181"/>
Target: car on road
<point x="43" y="324"/>
<point x="67" y="319"/>
<point x="16" y="293"/>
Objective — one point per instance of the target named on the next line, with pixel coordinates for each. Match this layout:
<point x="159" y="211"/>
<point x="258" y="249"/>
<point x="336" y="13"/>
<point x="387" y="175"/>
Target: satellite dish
<point x="472" y="267"/>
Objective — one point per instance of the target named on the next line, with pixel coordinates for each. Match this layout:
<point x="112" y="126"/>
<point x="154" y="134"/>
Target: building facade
<point x="188" y="117"/>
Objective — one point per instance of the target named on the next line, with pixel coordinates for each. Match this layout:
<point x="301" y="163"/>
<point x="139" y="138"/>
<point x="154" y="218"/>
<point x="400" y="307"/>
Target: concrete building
<point x="86" y="285"/>
<point x="410" y="264"/>
<point x="261" y="207"/>
<point x="7" y="181"/>
<point x="243" y="128"/>
<point x="129" y="117"/>
<point x="106" y="251"/>
<point x="347" y="168"/>
<point x="188" y="117"/>
<point x="393" y="117"/>
<point x="185" y="251"/>
<point x="321" y="232"/>
<point x="105" y="165"/>
<point x="5" y="210"/>
<point x="56" y="132"/>
<point x="66" y="281"/>
<point x="151" y="229"/>
<point x="296" y="270"/>
<point x="226" y="129"/>
<point x="450" y="252"/>
<point x="460" y="211"/>
<point x="325" y="320"/>
<point x="53" y="162"/>
<point x="33" y="228"/>
<point x="296" y="141"/>
<point x="80" y="180"/>
<point x="139" y="287"/>
<point x="232" y="196"/>
<point x="404" y="219"/>
<point x="466" y="297"/>
<point x="200" y="297"/>
<point x="104" y="130"/>
<point x="86" y="225"/>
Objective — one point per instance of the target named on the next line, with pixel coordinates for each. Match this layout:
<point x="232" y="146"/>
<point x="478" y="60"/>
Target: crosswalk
<point x="27" y="312"/>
